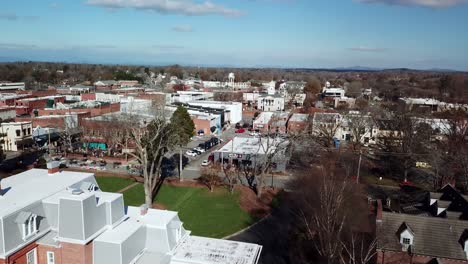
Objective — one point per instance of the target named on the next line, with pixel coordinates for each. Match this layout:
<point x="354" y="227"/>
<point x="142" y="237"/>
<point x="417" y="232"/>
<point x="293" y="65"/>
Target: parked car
<point x="205" y="163"/>
<point x="240" y="130"/>
<point x="196" y="151"/>
<point x="191" y="153"/>
<point x="254" y="134"/>
<point x="199" y="149"/>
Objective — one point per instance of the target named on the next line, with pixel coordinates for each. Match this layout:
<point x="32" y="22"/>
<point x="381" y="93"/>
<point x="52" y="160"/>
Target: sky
<point x="420" y="34"/>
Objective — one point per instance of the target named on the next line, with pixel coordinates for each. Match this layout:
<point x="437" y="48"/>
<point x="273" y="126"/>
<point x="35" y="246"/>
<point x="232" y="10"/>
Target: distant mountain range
<point x="336" y="69"/>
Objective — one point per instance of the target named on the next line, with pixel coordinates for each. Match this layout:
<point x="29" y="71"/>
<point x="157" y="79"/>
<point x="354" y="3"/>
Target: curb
<point x="247" y="228"/>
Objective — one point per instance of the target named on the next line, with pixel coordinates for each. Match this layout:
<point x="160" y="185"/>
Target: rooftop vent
<point x="143" y="209"/>
<point x="75" y="191"/>
<point x="53" y="167"/>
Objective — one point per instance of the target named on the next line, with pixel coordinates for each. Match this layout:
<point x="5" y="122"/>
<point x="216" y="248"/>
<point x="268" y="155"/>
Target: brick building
<point x="38" y="103"/>
<point x="94" y="110"/>
<point x="55" y="217"/>
<point x="298" y="123"/>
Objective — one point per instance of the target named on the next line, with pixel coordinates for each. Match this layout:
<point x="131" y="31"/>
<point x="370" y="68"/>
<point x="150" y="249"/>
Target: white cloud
<point x="424" y="3"/>
<point x="367" y="49"/>
<point x="16" y="46"/>
<point x="183" y="28"/>
<point x="14" y="17"/>
<point x="168" y="47"/>
<point x="182" y="7"/>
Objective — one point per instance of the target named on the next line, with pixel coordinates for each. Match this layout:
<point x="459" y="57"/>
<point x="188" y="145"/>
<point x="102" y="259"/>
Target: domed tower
<point x="231" y="78"/>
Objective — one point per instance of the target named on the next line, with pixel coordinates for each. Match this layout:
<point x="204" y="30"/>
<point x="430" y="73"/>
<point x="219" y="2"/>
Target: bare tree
<point x="152" y="142"/>
<point x="210" y="177"/>
<point x="360" y="127"/>
<point x="325" y="127"/>
<point x="328" y="222"/>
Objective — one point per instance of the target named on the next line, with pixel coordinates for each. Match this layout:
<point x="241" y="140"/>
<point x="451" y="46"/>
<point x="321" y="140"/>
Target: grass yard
<point x="369" y="179"/>
<point x="113" y="184"/>
<point x="216" y="214"/>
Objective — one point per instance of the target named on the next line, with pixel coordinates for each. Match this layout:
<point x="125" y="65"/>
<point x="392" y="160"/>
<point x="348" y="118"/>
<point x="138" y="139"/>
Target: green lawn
<point x="113" y="184"/>
<point x="216" y="214"/>
<point x="375" y="180"/>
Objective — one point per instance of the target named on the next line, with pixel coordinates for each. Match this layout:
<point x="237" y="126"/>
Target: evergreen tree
<point x="183" y="126"/>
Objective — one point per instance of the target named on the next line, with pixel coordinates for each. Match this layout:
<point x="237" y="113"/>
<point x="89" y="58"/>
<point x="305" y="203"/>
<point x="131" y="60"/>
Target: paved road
<point x="272" y="234"/>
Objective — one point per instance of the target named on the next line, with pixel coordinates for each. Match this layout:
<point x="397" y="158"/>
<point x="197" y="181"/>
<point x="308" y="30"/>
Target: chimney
<point x="53" y="167"/>
<point x="378" y="215"/>
<point x="143" y="209"/>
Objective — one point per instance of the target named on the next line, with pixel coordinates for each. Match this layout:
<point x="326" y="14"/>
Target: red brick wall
<point x="295" y="127"/>
<point x="42" y="254"/>
<point x="389" y="257"/>
<point x="19" y="257"/>
<point x="114" y="107"/>
<point x="201" y="124"/>
<point x="77" y="254"/>
<point x="88" y="97"/>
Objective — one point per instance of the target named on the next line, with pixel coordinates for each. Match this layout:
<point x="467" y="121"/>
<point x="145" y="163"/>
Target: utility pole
<point x="359" y="166"/>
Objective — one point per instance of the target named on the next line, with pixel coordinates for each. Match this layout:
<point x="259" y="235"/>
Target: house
<point x="17" y="135"/>
<point x="270" y="103"/>
<point x="418" y="239"/>
<point x="61" y="217"/>
<point x="298" y="123"/>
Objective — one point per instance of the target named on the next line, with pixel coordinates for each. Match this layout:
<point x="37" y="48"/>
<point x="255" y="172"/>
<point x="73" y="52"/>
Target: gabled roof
<point x="433" y="236"/>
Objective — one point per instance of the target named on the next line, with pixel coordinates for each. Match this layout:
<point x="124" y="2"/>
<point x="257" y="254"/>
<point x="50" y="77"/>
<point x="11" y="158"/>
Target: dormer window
<point x="28" y="222"/>
<point x="406" y="236"/>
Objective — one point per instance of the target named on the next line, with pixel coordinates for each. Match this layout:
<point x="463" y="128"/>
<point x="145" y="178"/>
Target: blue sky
<point x="419" y="34"/>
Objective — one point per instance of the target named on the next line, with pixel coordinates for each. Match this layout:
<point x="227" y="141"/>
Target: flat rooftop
<point x="201" y="250"/>
<point x="120" y="233"/>
<point x="35" y="185"/>
<point x="154" y="217"/>
<point x="249" y="145"/>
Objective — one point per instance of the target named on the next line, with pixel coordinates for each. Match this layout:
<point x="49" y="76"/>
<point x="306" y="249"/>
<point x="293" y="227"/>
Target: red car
<point x="240" y="130"/>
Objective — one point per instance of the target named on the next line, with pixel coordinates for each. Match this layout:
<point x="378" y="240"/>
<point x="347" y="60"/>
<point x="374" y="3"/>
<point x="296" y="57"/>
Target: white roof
<point x="120" y="233"/>
<point x="154" y="217"/>
<point x="201" y="250"/>
<point x="299" y="117"/>
<point x="263" y="118"/>
<point x="249" y="145"/>
<point x="33" y="186"/>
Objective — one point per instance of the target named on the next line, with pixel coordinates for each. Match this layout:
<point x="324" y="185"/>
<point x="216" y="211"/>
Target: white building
<point x="270" y="103"/>
<point x="17" y="134"/>
<point x="188" y="96"/>
<point x="234" y="108"/>
<point x="130" y="105"/>
<point x="64" y="217"/>
<point x="7" y="113"/>
<point x="250" y="97"/>
<point x="103" y="97"/>
<point x="9" y="86"/>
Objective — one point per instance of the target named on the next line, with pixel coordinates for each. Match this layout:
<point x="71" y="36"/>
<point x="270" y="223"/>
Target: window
<point x="29" y="131"/>
<point x="31" y="257"/>
<point x="18" y="132"/>
<point x="406" y="241"/>
<point x="30" y="226"/>
<point x="50" y="257"/>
